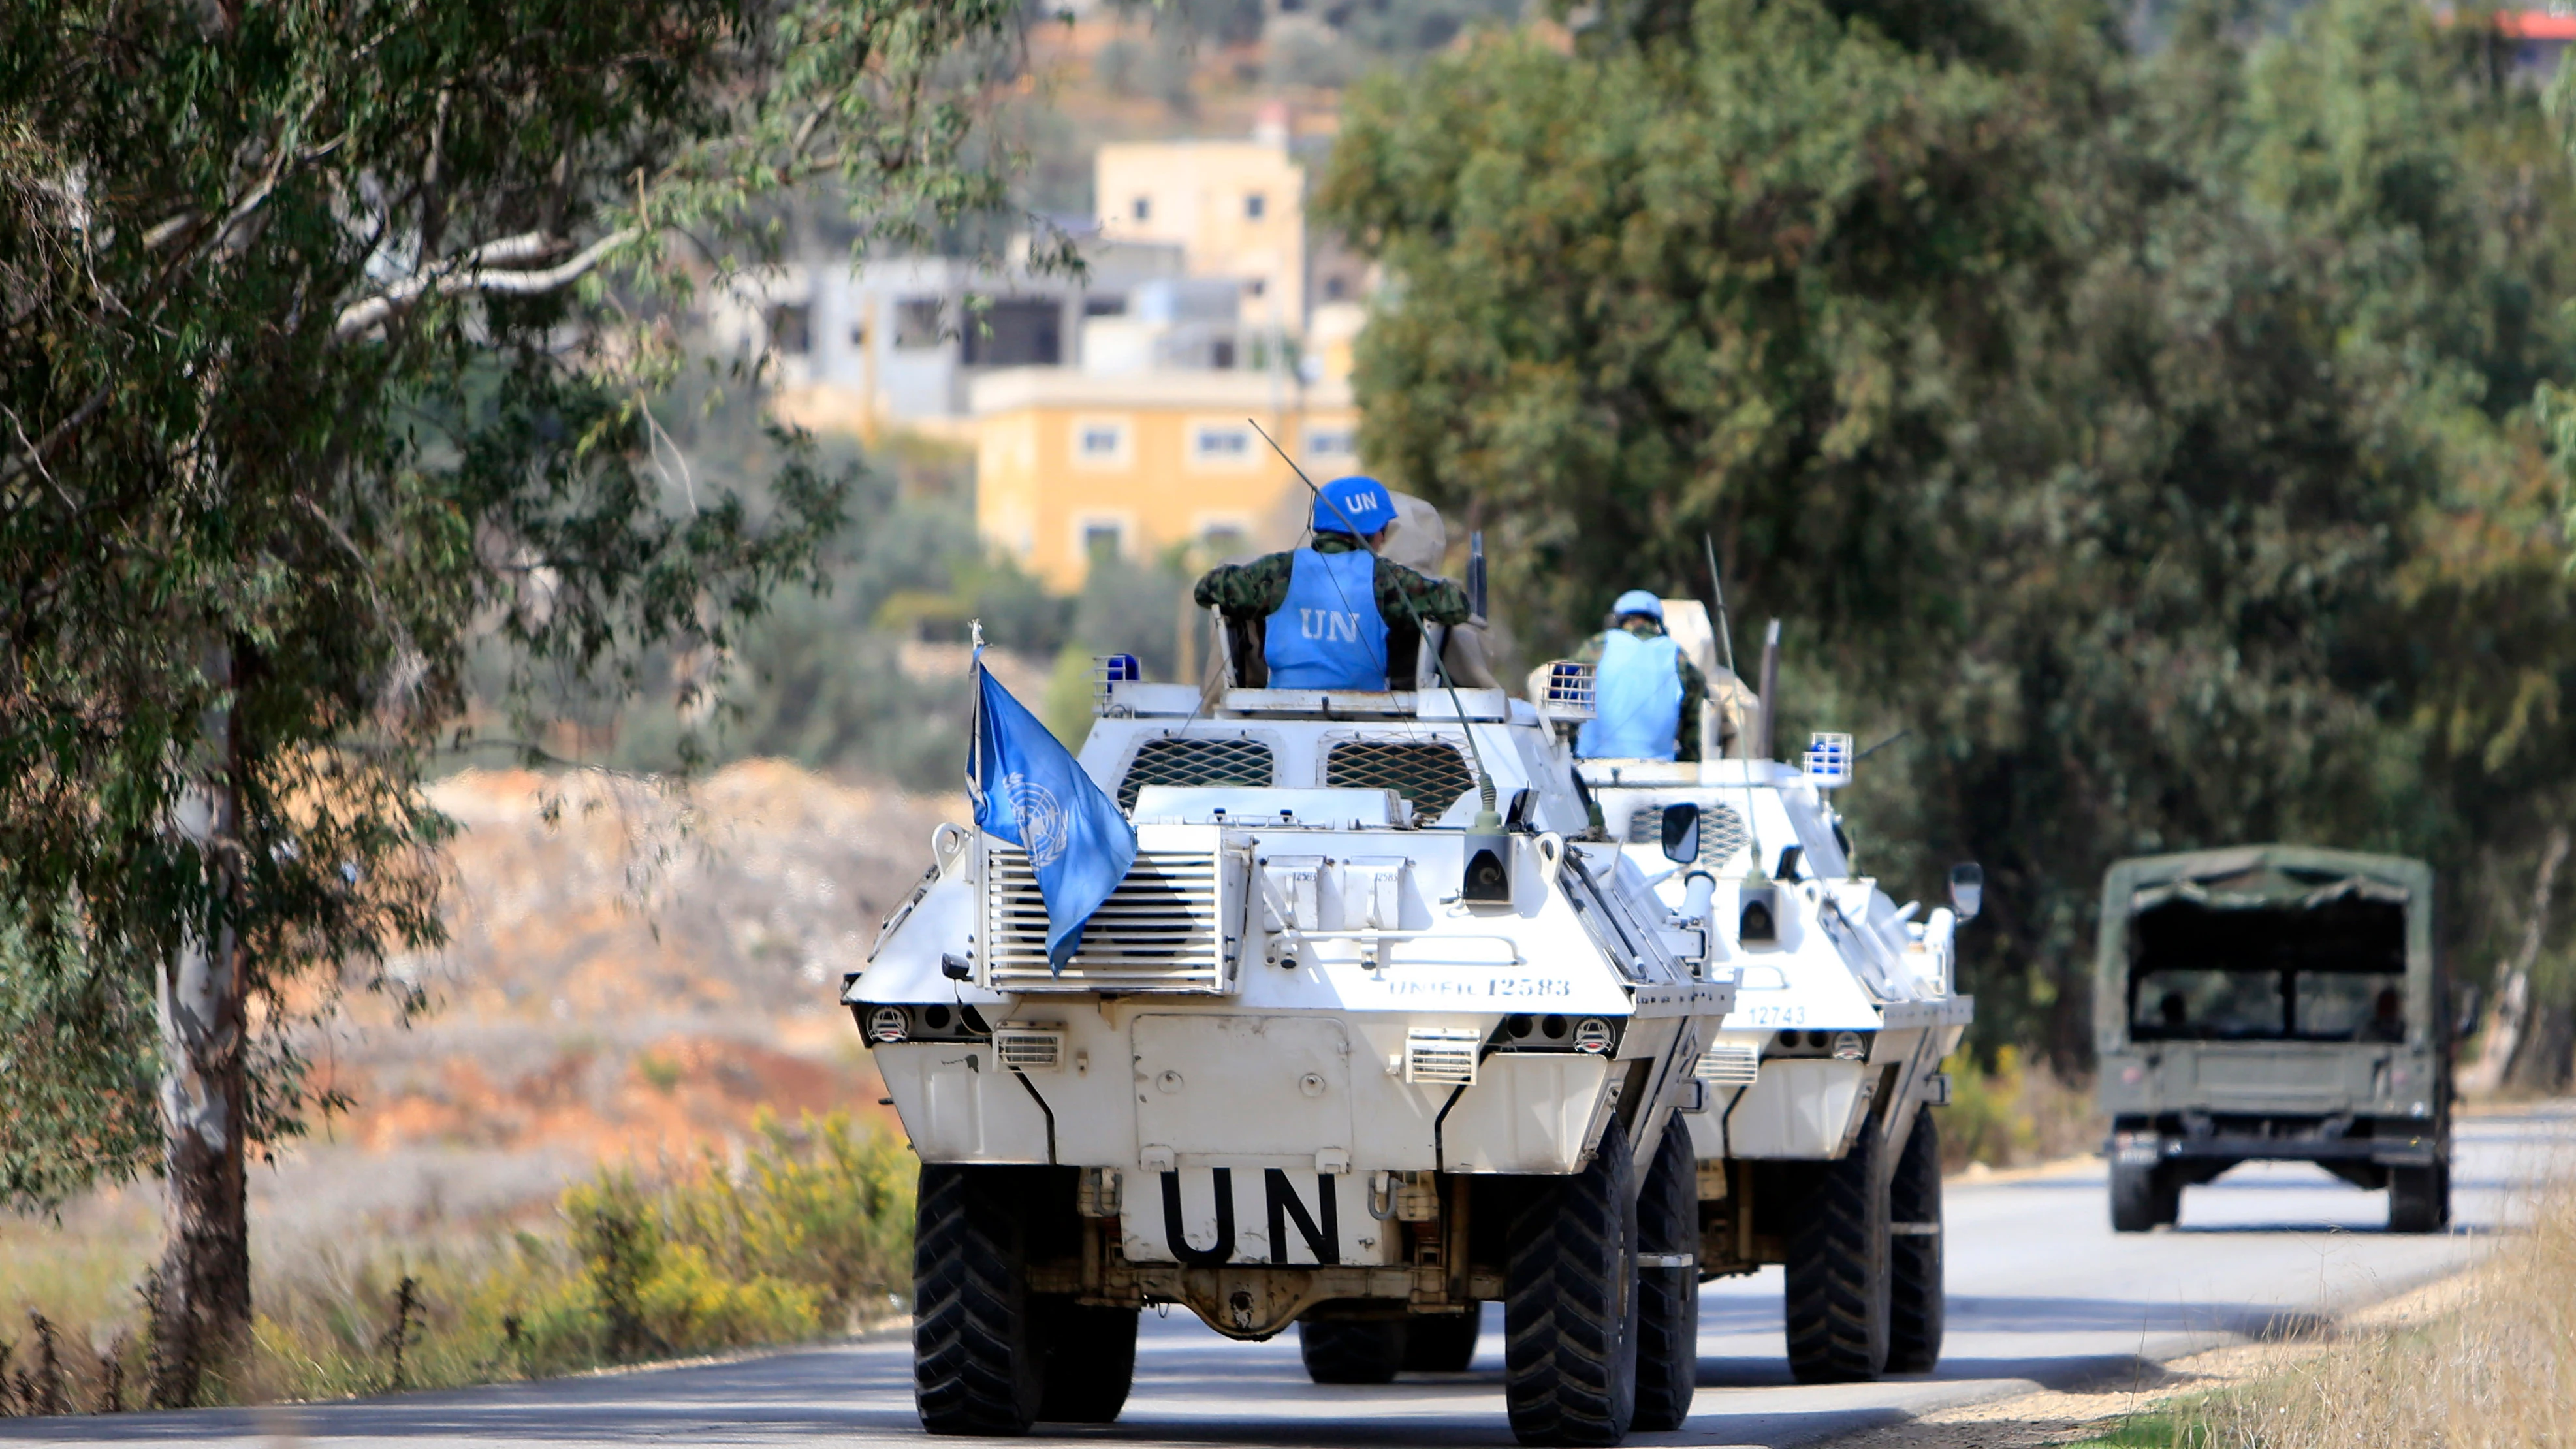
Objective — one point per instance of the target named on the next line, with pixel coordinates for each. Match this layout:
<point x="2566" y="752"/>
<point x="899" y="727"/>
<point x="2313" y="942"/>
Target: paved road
<point x="2041" y="1291"/>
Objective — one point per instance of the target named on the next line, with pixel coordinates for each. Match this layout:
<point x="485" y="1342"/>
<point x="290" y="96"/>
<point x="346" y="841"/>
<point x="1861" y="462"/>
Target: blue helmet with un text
<point x="1637" y="601"/>
<point x="1355" y="504"/>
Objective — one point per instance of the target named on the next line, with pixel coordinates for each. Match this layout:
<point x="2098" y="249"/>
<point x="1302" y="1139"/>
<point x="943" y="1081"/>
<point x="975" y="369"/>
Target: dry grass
<point x="809" y="1235"/>
<point x="2497" y="1372"/>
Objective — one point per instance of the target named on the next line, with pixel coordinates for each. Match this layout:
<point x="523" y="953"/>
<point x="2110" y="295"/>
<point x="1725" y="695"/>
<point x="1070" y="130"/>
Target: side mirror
<point x="1681" y="833"/>
<point x="1967" y="889"/>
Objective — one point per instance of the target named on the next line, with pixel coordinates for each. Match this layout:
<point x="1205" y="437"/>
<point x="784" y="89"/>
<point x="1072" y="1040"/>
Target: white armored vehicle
<point x="1343" y="1050"/>
<point x="1814" y="1149"/>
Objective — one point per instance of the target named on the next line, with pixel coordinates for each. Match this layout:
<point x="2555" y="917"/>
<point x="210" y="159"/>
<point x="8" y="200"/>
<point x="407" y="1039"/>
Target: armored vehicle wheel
<point x="1340" y="1351"/>
<point x="2419" y="1198"/>
<point x="1443" y="1345"/>
<point x="1570" y="1305"/>
<point x="978" y="1365"/>
<point x="1837" y="1290"/>
<point x="1668" y="1296"/>
<point x="1916" y="1298"/>
<point x="2143" y="1197"/>
<point x="1090" y="1361"/>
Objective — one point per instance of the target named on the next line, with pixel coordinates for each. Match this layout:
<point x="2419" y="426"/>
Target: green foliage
<point x="2150" y="434"/>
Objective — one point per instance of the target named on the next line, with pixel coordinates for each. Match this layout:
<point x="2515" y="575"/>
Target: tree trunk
<point x="202" y="1291"/>
<point x="2509" y="1019"/>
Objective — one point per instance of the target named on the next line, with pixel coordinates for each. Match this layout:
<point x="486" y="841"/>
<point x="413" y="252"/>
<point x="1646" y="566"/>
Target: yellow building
<point x="1236" y="208"/>
<point x="1071" y="468"/>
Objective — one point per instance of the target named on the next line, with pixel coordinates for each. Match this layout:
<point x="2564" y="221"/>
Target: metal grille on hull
<point x="1159" y="931"/>
<point x="1721" y="831"/>
<point x="1430" y="773"/>
<point x="1196" y="760"/>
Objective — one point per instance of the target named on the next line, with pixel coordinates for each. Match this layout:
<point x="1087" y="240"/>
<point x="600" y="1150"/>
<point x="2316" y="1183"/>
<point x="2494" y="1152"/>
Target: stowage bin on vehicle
<point x="2273" y="1003"/>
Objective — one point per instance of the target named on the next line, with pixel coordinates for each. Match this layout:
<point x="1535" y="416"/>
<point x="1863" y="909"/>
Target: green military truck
<point x="2273" y="1003"/>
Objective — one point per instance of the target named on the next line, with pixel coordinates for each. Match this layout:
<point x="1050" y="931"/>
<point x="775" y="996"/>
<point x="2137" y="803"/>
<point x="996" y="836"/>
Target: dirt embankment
<point x="633" y="970"/>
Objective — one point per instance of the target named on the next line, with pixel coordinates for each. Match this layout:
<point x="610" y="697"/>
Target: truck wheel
<point x="1837" y="1291"/>
<point x="1668" y="1298"/>
<point x="2419" y="1199"/>
<point x="1443" y="1345"/>
<point x="978" y="1365"/>
<point x="1341" y="1351"/>
<point x="1916" y="1299"/>
<point x="1570" y="1305"/>
<point x="2141" y="1198"/>
<point x="1090" y="1361"/>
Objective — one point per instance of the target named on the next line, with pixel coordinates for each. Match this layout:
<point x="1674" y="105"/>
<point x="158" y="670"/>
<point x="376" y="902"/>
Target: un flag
<point x="1029" y="791"/>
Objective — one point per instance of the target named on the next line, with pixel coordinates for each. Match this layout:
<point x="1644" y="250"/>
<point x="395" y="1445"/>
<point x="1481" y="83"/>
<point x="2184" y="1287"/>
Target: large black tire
<point x="1444" y="1344"/>
<point x="1916" y="1299"/>
<point x="978" y="1364"/>
<point x="1343" y="1351"/>
<point x="1836" y="1296"/>
<point x="1570" y="1304"/>
<point x="1090" y="1361"/>
<point x="2138" y="1197"/>
<point x="1668" y="1297"/>
<point x="2419" y="1199"/>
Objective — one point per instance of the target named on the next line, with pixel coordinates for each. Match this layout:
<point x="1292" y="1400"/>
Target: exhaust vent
<point x="1172" y="925"/>
<point x="1442" y="1056"/>
<point x="1023" y="1049"/>
<point x="1729" y="1064"/>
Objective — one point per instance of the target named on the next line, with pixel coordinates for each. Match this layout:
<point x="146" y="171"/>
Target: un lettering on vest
<point x="1329" y="625"/>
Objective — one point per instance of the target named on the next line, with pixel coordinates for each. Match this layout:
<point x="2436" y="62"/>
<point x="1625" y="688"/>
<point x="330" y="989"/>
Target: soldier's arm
<point x="1590" y="653"/>
<point x="1436" y="601"/>
<point x="1694" y="694"/>
<point x="1252" y="590"/>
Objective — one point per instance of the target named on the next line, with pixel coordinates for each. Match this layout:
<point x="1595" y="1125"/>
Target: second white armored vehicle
<point x="1813" y="1147"/>
<point x="1356" y="1046"/>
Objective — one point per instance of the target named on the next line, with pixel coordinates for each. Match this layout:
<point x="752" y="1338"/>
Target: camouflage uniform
<point x="1694" y="683"/>
<point x="1248" y="594"/>
<point x="1255" y="590"/>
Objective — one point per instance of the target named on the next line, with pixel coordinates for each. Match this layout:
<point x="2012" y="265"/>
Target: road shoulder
<point x="2029" y="1420"/>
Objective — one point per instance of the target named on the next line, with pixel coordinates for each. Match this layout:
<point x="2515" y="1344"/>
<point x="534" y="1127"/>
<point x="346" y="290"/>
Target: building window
<point x="1257" y="286"/>
<point x="791" y="329"/>
<point x="1102" y="541"/>
<point x="1100" y="443"/>
<point x="858" y="337"/>
<point x="1141" y="209"/>
<point x="1334" y="287"/>
<point x="1330" y="445"/>
<point x="1255" y="205"/>
<point x="1220" y="445"/>
<point x="1221" y="353"/>
<point x="1225" y="537"/>
<point x="1104" y="304"/>
<point x="916" y="323"/>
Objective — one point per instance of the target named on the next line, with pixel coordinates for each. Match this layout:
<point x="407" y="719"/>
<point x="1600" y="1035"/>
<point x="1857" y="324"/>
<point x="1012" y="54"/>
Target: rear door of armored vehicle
<point x="2273" y="1003"/>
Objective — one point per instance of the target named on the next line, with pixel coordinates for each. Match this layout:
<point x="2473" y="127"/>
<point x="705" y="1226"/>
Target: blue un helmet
<point x="1638" y="601"/>
<point x="1355" y="504"/>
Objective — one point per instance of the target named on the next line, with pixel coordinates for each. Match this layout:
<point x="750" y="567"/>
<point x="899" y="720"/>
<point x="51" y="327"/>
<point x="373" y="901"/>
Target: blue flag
<point x="1029" y="791"/>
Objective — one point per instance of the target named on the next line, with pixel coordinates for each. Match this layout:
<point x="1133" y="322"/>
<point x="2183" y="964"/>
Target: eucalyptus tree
<point x="328" y="334"/>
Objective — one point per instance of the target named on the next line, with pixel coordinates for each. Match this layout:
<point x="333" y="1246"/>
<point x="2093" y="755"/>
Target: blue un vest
<point x="1328" y="635"/>
<point x="1639" y="689"/>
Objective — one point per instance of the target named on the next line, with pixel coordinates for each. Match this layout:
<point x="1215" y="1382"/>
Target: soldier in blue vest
<point x="1648" y="690"/>
<point x="1333" y="614"/>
